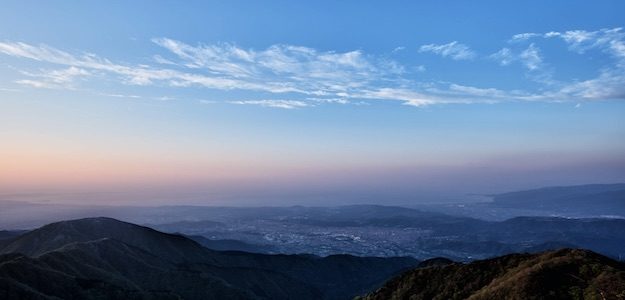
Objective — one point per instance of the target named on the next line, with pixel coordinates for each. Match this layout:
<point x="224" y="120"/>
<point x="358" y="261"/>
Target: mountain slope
<point x="6" y="236"/>
<point x="561" y="274"/>
<point x="109" y="268"/>
<point x="53" y="236"/>
<point x="230" y="245"/>
<point x="102" y="257"/>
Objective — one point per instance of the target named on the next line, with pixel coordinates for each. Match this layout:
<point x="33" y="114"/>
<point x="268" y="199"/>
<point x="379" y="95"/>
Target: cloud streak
<point x="611" y="41"/>
<point x="530" y="57"/>
<point x="288" y="76"/>
<point x="453" y="50"/>
<point x="55" y="79"/>
<point x="279" y="69"/>
<point x="286" y="104"/>
<point x="609" y="84"/>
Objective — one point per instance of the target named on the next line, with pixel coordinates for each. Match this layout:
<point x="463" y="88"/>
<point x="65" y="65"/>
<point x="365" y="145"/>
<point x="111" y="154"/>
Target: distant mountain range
<point x="365" y="229"/>
<point x="590" y="199"/>
<point x="377" y="230"/>
<point x="582" y="201"/>
<point x="578" y="201"/>
<point x="102" y="258"/>
<point x="561" y="274"/>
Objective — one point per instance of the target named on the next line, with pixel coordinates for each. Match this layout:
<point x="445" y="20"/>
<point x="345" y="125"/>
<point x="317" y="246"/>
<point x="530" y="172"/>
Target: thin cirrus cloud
<point x="611" y="41"/>
<point x="54" y="79"/>
<point x="453" y="50"/>
<point x="532" y="60"/>
<point x="609" y="84"/>
<point x="279" y="69"/>
<point x="286" y="104"/>
<point x="529" y="57"/>
<point x="301" y="77"/>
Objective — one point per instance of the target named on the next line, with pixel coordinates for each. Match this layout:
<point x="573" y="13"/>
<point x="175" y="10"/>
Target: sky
<point x="318" y="103"/>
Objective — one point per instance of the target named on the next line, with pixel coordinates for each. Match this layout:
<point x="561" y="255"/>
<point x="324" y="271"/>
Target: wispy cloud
<point x="54" y="79"/>
<point x="454" y="50"/>
<point x="135" y="75"/>
<point x="505" y="56"/>
<point x="284" y="68"/>
<point x="530" y="57"/>
<point x="408" y="96"/>
<point x="609" y="84"/>
<point x="120" y="96"/>
<point x="159" y="59"/>
<point x="329" y="100"/>
<point x="277" y="69"/>
<point x="397" y="49"/>
<point x="612" y="41"/>
<point x="309" y="77"/>
<point x="523" y="36"/>
<point x="286" y="104"/>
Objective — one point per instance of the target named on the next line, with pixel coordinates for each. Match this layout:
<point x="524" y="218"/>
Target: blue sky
<point x="326" y="102"/>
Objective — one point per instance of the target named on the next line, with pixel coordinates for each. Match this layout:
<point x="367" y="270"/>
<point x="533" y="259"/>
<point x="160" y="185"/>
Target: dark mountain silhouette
<point x="231" y="245"/>
<point x="6" y="236"/>
<point x="105" y="258"/>
<point x="605" y="236"/>
<point x="435" y="262"/>
<point x="110" y="269"/>
<point x="560" y="274"/>
<point x="475" y="238"/>
<point x="172" y="247"/>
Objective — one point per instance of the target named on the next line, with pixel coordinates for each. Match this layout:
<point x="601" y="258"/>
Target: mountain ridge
<point x="590" y="199"/>
<point x="559" y="274"/>
<point x="118" y="259"/>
